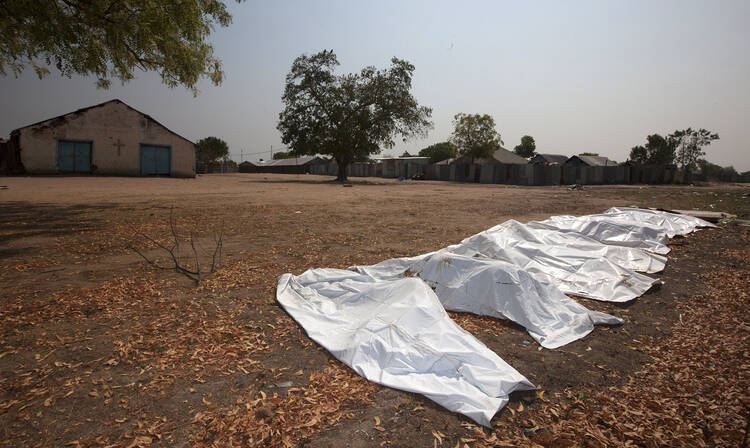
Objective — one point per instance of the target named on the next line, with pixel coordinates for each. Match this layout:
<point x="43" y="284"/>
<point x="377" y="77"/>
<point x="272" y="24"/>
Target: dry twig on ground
<point x="174" y="254"/>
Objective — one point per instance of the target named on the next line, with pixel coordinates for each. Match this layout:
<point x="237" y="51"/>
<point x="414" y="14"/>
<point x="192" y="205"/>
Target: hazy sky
<point x="593" y="76"/>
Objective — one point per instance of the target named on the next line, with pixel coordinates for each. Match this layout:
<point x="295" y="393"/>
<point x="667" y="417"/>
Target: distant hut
<point x="248" y="167"/>
<point x="472" y="169"/>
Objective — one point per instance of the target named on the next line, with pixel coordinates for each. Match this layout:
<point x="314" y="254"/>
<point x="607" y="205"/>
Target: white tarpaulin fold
<point x="584" y="268"/>
<point x="490" y="287"/>
<point x="625" y="226"/>
<point x="396" y="333"/>
<point x="674" y="224"/>
<point x="495" y="288"/>
<point x="388" y="321"/>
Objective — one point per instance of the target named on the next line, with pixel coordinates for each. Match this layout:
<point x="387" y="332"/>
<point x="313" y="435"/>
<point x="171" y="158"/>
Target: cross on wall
<point x="118" y="145"/>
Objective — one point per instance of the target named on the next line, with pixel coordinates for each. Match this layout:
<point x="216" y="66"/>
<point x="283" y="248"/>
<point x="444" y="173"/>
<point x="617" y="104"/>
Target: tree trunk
<point x="688" y="175"/>
<point x="343" y="164"/>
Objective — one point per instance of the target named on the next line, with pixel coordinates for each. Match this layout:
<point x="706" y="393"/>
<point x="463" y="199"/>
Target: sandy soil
<point x="98" y="348"/>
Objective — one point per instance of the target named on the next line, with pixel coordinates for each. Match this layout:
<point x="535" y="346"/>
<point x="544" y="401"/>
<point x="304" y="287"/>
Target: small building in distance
<point x="404" y="166"/>
<point x="590" y="161"/>
<point x="107" y="138"/>
<point x="485" y="170"/>
<point x="248" y="167"/>
<point x="548" y="159"/>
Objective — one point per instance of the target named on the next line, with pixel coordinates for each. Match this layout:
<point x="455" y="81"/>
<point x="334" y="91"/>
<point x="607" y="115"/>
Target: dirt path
<point x="99" y="349"/>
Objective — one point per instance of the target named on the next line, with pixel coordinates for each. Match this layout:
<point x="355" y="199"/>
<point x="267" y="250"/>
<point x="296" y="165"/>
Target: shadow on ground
<point x="19" y="220"/>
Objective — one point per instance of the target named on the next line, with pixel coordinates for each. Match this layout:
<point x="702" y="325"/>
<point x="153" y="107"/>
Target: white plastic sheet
<point x="496" y="288"/>
<point x="624" y="226"/>
<point x="581" y="267"/>
<point x="391" y="327"/>
<point x="396" y="333"/>
<point x="674" y="224"/>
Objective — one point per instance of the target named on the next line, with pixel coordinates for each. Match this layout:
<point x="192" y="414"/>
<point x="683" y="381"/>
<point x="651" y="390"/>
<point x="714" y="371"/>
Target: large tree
<point x="690" y="143"/>
<point x="348" y="116"/>
<point x="657" y="151"/>
<point x="475" y="136"/>
<point x="211" y="149"/>
<point x="439" y="151"/>
<point x="527" y="148"/>
<point x="113" y="38"/>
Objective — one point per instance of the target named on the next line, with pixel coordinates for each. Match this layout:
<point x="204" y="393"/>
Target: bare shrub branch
<point x="173" y="253"/>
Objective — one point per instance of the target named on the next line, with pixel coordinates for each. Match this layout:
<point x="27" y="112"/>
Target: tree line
<point x="682" y="147"/>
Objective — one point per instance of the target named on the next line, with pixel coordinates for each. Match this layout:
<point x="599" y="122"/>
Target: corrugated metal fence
<point x="551" y="175"/>
<point x="357" y="169"/>
<point x="523" y="174"/>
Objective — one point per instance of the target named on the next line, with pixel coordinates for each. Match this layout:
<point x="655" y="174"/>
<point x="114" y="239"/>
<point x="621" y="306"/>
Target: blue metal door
<point x="163" y="160"/>
<point x="83" y="158"/>
<point x="155" y="160"/>
<point x="148" y="167"/>
<point x="66" y="154"/>
<point x="73" y="157"/>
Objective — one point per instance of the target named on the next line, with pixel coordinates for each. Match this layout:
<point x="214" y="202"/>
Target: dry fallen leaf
<point x="437" y="436"/>
<point x="141" y="441"/>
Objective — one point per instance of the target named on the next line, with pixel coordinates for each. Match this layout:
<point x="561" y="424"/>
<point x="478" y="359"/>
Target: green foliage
<point x="348" y="116"/>
<point x="657" y="151"/>
<point x="527" y="148"/>
<point x="439" y="151"/>
<point x="211" y="149"/>
<point x="596" y="154"/>
<point x="283" y="155"/>
<point x="112" y="38"/>
<point x="475" y="135"/>
<point x="638" y="154"/>
<point x="689" y="143"/>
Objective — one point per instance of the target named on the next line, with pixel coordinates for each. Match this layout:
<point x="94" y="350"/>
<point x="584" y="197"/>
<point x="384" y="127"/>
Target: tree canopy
<point x="690" y="143"/>
<point x="527" y="148"/>
<point x="211" y="149"/>
<point x="595" y="154"/>
<point x="475" y="136"/>
<point x="657" y="151"/>
<point x="112" y="39"/>
<point x="348" y="116"/>
<point x="439" y="151"/>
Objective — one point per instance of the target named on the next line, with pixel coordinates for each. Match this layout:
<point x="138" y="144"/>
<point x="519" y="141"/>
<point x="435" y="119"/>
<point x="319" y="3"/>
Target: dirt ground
<point x="99" y="348"/>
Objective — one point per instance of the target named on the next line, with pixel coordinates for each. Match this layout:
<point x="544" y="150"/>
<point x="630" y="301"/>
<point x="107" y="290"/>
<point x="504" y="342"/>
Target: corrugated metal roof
<point x="553" y="158"/>
<point x="401" y="158"/>
<point x="502" y="155"/>
<point x="294" y="161"/>
<point x="596" y="161"/>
